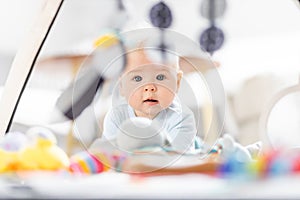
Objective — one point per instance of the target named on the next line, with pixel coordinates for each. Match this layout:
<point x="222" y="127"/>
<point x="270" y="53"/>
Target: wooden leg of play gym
<point x="70" y="140"/>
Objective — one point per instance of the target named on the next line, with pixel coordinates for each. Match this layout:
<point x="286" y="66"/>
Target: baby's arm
<point x="107" y="141"/>
<point x="182" y="135"/>
<point x="110" y="126"/>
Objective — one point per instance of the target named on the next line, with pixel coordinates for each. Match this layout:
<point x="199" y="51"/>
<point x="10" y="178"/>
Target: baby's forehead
<point x="156" y="68"/>
<point x="138" y="59"/>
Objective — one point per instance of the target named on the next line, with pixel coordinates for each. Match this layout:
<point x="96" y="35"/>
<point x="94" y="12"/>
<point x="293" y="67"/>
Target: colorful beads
<point x="296" y="164"/>
<point x="271" y="163"/>
<point x="84" y="162"/>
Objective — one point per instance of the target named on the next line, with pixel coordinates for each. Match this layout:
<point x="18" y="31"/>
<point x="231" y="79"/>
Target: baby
<point x="149" y="90"/>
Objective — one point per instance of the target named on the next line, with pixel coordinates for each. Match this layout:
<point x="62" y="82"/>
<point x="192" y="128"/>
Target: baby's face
<point x="150" y="88"/>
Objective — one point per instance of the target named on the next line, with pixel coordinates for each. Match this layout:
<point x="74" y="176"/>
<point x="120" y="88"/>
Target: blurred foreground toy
<point x="269" y="163"/>
<point x="231" y="160"/>
<point x="35" y="150"/>
<point x="43" y="154"/>
<point x="231" y="148"/>
<point x="93" y="162"/>
<point x="10" y="147"/>
<point x="85" y="162"/>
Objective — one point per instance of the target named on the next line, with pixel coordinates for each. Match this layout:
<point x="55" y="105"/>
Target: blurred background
<point x="259" y="57"/>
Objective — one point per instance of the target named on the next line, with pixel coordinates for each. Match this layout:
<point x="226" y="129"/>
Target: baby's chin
<point x="150" y="112"/>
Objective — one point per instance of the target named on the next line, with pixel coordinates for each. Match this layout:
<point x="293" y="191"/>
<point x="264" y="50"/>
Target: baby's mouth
<point x="151" y="101"/>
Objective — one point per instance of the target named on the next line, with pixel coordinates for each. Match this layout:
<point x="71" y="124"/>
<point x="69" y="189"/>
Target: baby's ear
<point x="179" y="77"/>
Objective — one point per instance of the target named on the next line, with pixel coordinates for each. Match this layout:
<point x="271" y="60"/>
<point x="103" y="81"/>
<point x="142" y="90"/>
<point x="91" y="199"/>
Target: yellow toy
<point x="43" y="154"/>
<point x="10" y="147"/>
<point x="35" y="150"/>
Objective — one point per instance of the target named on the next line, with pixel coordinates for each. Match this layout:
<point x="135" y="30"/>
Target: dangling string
<point x="163" y="46"/>
<point x="121" y="5"/>
<point x="212" y="12"/>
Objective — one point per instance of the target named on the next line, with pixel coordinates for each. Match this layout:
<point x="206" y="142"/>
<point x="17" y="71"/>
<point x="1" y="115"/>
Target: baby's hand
<point x="139" y="132"/>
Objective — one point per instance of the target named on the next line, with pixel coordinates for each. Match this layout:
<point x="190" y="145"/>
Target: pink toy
<point x="85" y="162"/>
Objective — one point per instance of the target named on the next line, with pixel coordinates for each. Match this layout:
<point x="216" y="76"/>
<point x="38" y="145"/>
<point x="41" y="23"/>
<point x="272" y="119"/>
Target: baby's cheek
<point x="129" y="91"/>
<point x="167" y="98"/>
<point x="170" y="85"/>
<point x="134" y="98"/>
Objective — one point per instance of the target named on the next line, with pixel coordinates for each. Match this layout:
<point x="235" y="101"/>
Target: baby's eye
<point x="137" y="78"/>
<point x="160" y="77"/>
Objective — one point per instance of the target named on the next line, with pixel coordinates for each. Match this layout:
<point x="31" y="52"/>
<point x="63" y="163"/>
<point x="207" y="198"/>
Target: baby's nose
<point x="150" y="88"/>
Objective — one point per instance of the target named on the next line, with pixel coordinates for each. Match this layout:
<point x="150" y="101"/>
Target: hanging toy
<point x="213" y="37"/>
<point x="161" y="17"/>
<point x="103" y="66"/>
